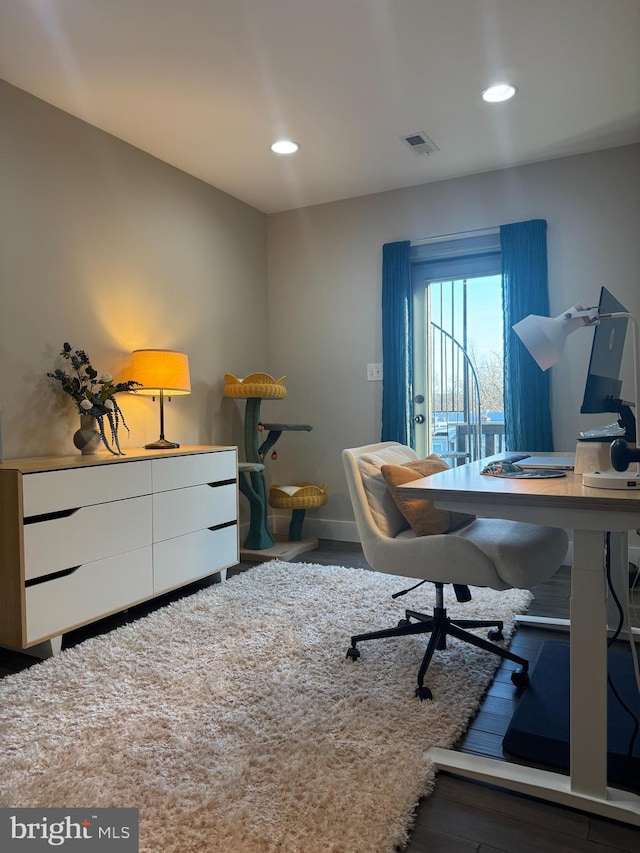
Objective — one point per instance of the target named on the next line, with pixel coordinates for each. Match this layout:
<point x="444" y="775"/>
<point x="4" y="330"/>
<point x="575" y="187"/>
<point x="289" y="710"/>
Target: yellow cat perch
<point x="298" y="498"/>
<point x="254" y="385"/>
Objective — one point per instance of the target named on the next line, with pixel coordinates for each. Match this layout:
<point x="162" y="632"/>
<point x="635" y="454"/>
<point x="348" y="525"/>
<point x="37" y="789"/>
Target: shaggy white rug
<point x="234" y="722"/>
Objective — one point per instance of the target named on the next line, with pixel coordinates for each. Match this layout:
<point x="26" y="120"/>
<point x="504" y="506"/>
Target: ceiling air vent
<point x="420" y="143"/>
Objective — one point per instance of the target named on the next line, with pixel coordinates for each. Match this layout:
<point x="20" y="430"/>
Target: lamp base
<point x="161" y="444"/>
<point x="612" y="480"/>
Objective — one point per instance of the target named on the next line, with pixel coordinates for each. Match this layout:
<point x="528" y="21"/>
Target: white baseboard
<point x="318" y="528"/>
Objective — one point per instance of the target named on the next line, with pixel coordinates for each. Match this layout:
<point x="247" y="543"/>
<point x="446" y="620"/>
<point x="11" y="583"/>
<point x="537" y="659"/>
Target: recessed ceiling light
<point x="499" y="92"/>
<point x="285" y="146"/>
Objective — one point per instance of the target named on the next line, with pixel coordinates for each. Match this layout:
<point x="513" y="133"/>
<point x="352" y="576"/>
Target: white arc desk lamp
<point x="545" y="338"/>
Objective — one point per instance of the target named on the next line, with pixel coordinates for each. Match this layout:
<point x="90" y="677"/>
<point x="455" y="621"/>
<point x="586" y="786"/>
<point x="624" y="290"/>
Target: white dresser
<point x="82" y="537"/>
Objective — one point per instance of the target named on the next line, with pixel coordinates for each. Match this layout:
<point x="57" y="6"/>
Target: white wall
<point x="324" y="298"/>
<point x="110" y="249"/>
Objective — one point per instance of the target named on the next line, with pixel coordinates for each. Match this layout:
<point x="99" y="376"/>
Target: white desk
<point x="590" y="513"/>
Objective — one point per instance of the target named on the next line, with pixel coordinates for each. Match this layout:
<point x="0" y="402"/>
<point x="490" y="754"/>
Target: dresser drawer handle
<point x="221" y="483"/>
<point x="222" y="526"/>
<point x="53" y="576"/>
<point x="50" y="516"/>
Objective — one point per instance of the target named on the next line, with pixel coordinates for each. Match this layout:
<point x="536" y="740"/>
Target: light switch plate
<point x="374" y="373"/>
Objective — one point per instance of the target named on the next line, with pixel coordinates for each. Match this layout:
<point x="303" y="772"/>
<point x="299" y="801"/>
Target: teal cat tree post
<point x="255" y="388"/>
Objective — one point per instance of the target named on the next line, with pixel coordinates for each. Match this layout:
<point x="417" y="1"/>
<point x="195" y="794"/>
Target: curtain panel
<point x="527" y="413"/>
<point x="527" y="409"/>
<point x="397" y="344"/>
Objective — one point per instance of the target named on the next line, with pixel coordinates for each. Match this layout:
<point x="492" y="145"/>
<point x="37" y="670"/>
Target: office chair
<point x="487" y="552"/>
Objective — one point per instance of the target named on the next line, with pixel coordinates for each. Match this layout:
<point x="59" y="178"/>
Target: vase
<point x="87" y="439"/>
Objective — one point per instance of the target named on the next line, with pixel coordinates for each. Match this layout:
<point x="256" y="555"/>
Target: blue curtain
<point x="527" y="409"/>
<point x="397" y="344"/>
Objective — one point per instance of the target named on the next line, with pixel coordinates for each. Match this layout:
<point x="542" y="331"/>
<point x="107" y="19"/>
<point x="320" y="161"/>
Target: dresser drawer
<point x="187" y="510"/>
<point x="186" y="558"/>
<point x="178" y="472"/>
<point x="91" y="591"/>
<point x="86" y="534"/>
<point x="52" y="491"/>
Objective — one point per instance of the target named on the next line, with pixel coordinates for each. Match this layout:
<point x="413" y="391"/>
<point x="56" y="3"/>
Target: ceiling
<point x="208" y="85"/>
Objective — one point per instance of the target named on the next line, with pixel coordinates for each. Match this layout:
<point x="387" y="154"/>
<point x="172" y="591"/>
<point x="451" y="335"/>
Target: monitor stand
<point x="627" y="420"/>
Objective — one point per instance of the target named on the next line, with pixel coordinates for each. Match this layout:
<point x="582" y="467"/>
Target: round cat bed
<point x="254" y="385"/>
<point x="298" y="498"/>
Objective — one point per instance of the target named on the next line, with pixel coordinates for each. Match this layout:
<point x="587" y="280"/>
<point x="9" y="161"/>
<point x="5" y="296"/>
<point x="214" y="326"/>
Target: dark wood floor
<point x="461" y="816"/>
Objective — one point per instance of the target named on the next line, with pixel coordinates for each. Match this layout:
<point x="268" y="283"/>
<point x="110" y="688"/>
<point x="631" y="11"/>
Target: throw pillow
<point x="423" y="517"/>
<point x="386" y="515"/>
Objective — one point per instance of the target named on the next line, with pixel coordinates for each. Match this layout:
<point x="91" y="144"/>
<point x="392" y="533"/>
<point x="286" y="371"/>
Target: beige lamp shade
<point x="161" y="370"/>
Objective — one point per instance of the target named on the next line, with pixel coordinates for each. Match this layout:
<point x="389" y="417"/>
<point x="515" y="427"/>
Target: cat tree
<point x="259" y="542"/>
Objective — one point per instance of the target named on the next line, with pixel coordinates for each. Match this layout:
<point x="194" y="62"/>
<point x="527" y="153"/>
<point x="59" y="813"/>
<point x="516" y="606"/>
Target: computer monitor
<point x="603" y="385"/>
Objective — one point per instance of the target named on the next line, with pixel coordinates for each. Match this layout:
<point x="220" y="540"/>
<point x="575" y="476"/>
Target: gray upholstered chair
<point x="486" y="552"/>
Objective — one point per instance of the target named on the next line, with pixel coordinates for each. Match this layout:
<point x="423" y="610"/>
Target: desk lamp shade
<point x="545" y="337"/>
<point x="161" y="372"/>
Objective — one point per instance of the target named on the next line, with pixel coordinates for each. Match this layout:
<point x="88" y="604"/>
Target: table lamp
<point x="544" y="338"/>
<point x="160" y="372"/>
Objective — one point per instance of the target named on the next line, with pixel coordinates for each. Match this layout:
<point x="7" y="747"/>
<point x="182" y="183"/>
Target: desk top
<point x="466" y="483"/>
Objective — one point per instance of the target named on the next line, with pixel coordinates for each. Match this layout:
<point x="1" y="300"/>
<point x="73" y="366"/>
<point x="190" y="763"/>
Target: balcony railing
<point x="457" y="444"/>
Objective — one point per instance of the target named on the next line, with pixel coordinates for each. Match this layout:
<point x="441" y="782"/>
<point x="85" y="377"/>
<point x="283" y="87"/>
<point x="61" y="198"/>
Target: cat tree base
<point x="283" y="549"/>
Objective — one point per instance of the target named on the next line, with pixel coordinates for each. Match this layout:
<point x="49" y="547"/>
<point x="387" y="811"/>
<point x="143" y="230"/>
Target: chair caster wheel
<point x="423" y="693"/>
<point x="495" y="634"/>
<point x="520" y="678"/>
<point x="353" y="653"/>
<point x="403" y="622"/>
